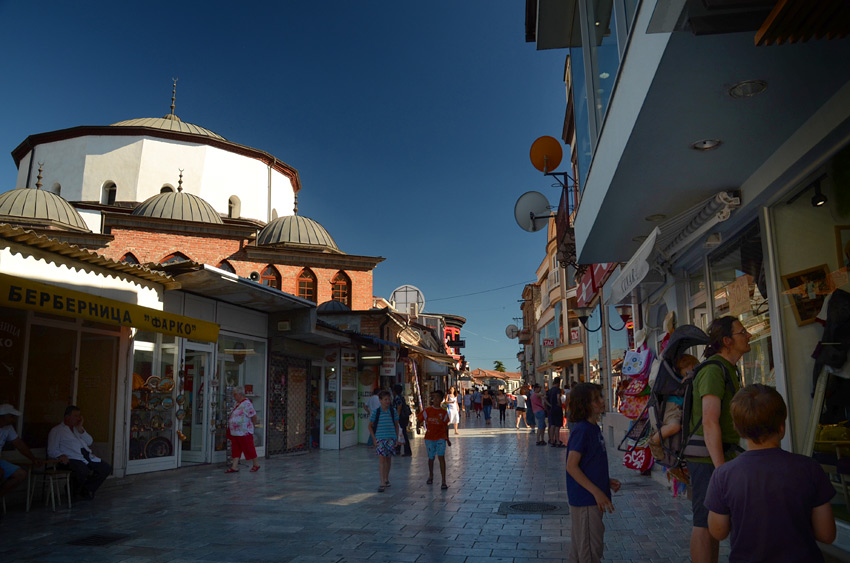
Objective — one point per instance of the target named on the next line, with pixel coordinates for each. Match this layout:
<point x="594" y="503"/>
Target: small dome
<point x="40" y="205"/>
<point x="179" y="206"/>
<point x="333" y="306"/>
<point x="296" y="230"/>
<point x="169" y="122"/>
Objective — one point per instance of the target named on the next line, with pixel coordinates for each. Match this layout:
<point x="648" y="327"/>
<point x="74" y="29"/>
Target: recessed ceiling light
<point x="748" y="88"/>
<point x="604" y="75"/>
<point x="706" y="144"/>
<point x="657" y="217"/>
<point x="639" y="238"/>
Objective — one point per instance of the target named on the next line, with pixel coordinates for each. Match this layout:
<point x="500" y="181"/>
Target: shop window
<point x="166" y="189"/>
<point x="341" y="288"/>
<point x="174" y="258"/>
<point x="108" y="193"/>
<point x="129" y="258"/>
<point x="270" y="277"/>
<point x="234" y="207"/>
<point x="307" y="285"/>
<point x="595" y="353"/>
<point x="226" y="266"/>
<point x="739" y="288"/>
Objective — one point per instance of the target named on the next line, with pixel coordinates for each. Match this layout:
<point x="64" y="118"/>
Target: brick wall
<point x="153" y="246"/>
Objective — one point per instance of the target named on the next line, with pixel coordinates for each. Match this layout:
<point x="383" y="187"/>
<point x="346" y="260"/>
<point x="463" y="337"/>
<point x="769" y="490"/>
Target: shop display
<point x="158" y="446"/>
<point x="151" y="419"/>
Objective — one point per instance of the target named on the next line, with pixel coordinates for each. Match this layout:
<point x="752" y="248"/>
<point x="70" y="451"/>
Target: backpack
<point x="405" y="411"/>
<point x="378" y="418"/>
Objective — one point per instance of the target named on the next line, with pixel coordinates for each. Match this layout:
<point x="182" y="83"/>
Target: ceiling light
<point x="604" y="75"/>
<point x="655" y="218"/>
<point x="706" y="144"/>
<point x="818" y="200"/>
<point x="748" y="88"/>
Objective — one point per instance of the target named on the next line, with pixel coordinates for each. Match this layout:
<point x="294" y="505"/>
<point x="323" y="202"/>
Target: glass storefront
<point x="584" y="139"/>
<point x="739" y="288"/>
<point x="595" y="353"/>
<point x="242" y="361"/>
<point x="156" y="398"/>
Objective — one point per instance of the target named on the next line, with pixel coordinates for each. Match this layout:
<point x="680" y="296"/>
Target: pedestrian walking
<point x="383" y="428"/>
<point x="436" y="436"/>
<point x="502" y="403"/>
<point x="539" y="414"/>
<point x="467" y="402"/>
<point x="520" y="409"/>
<point x="476" y="403"/>
<point x="556" y="413"/>
<point x="452" y="408"/>
<point x="588" y="483"/>
<point x="240" y="430"/>
<point x="487" y="404"/>
<point x="401" y="408"/>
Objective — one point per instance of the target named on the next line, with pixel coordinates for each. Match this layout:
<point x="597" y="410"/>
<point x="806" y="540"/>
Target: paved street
<point x="324" y="506"/>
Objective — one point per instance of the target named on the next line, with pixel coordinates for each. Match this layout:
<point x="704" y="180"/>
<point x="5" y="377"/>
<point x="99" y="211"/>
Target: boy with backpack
<point x="775" y="503"/>
<point x="436" y="421"/>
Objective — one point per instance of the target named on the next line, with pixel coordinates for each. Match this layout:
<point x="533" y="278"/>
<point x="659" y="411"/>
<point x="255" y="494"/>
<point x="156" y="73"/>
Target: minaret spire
<point x="173" y="95"/>
<point x="180" y="181"/>
<point x="295" y="210"/>
<point x="39" y="184"/>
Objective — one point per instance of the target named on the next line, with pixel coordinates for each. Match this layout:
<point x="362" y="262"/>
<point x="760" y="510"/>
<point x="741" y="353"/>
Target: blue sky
<point x="410" y="124"/>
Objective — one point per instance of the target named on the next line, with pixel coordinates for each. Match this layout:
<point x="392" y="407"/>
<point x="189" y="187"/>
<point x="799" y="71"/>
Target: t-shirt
<point x="586" y="439"/>
<point x="436" y="423"/>
<point x="240" y="423"/>
<point x="769" y="496"/>
<point x="386" y="428"/>
<point x="711" y="380"/>
<point x="373" y="403"/>
<point x="476" y="397"/>
<point x="536" y="402"/>
<point x="467" y="399"/>
<point x="7" y="434"/>
<point x="520" y="401"/>
<point x="553" y="395"/>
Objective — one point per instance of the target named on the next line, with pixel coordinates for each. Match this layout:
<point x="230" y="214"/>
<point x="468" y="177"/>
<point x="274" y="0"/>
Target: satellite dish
<point x="408" y="298"/>
<point x="512" y="331"/>
<point x="532" y="211"/>
<point x="546" y="154"/>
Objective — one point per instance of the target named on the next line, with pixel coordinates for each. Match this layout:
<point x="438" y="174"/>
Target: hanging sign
<point x="388" y="362"/>
<point x="738" y="296"/>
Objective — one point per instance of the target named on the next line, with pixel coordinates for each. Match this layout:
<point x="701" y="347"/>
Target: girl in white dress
<point x="452" y="407"/>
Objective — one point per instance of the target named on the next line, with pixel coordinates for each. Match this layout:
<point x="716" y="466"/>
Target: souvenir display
<point x="152" y="382"/>
<point x="165" y="385"/>
<point x="138" y="382"/>
<point x="158" y="446"/>
<point x="137" y="448"/>
<point x="157" y="423"/>
<point x="166" y="403"/>
<point x="181" y="414"/>
<point x="181" y="399"/>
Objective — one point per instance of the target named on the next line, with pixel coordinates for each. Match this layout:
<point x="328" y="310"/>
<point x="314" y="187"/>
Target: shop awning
<point x="31" y="295"/>
<point x="670" y="239"/>
<point x="431" y="355"/>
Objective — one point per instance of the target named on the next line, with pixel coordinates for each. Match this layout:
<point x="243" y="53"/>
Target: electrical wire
<point x="480" y="292"/>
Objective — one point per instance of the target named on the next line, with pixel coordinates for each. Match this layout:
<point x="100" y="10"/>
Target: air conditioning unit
<point x="414" y="310"/>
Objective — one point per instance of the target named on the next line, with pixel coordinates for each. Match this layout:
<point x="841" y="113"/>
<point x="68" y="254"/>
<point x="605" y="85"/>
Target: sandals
<point x="255" y="468"/>
<point x="387" y="485"/>
<point x="444" y="486"/>
<point x="558" y="445"/>
<point x="231" y="470"/>
<point x="381" y="489"/>
<point x="541" y="443"/>
<point x="430" y="481"/>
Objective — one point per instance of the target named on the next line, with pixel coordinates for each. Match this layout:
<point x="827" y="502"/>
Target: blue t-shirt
<point x="586" y="439"/>
<point x="769" y="496"/>
<point x="386" y="428"/>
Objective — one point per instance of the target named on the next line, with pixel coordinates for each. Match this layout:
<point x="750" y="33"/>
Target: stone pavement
<point x="323" y="506"/>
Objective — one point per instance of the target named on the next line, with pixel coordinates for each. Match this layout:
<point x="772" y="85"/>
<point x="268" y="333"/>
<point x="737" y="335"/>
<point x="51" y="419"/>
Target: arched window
<point x="225" y="265"/>
<point x="270" y="277"/>
<point x="166" y="188"/>
<point x="174" y="258"/>
<point x="108" y="193"/>
<point x="234" y="207"/>
<point x="307" y="285"/>
<point x="129" y="258"/>
<point x="57" y="189"/>
<point x="341" y="288"/>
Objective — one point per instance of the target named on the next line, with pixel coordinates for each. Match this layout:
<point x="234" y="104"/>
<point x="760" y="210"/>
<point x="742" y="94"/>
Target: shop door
<point x="198" y="404"/>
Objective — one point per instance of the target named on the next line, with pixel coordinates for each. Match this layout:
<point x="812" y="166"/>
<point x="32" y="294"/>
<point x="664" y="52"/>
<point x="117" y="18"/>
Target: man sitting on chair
<point x="12" y="474"/>
<point x="70" y="444"/>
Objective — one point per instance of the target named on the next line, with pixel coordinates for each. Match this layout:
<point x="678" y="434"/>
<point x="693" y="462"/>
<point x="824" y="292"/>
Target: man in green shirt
<point x="714" y="387"/>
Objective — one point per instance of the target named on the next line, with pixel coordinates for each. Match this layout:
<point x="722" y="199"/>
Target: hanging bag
<point x="636" y="387"/>
<point x="638" y="363"/>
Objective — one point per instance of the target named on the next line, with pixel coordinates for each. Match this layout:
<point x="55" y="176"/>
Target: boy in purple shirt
<point x="775" y="503"/>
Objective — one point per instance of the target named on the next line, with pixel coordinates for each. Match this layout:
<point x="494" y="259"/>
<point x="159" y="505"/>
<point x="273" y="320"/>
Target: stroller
<point x="668" y="383"/>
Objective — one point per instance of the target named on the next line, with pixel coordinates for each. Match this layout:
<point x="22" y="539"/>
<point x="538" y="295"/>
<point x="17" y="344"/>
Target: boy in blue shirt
<point x="588" y="485"/>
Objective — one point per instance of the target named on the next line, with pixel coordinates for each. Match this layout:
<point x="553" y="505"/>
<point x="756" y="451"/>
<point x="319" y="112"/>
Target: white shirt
<point x="63" y="440"/>
<point x="520" y="401"/>
<point x="7" y="434"/>
<point x="374" y="403"/>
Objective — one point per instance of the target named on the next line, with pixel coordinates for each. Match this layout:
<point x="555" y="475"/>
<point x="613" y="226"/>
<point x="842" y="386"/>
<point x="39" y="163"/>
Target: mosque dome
<point x="295" y="230"/>
<point x="169" y="122"/>
<point x="179" y="206"/>
<point x="333" y="307"/>
<point x="40" y="206"/>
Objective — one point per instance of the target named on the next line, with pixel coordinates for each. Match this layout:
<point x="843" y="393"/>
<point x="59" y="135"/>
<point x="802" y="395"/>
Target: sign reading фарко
<point x="26" y="294"/>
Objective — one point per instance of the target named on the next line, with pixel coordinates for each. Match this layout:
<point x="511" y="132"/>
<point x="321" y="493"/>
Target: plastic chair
<point x="54" y="478"/>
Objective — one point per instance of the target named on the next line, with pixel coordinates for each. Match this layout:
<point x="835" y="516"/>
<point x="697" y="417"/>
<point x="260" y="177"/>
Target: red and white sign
<point x="548" y="342"/>
<point x="591" y="281"/>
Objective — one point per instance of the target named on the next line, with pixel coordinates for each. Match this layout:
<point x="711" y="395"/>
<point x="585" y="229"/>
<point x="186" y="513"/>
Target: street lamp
<point x="583" y="313"/>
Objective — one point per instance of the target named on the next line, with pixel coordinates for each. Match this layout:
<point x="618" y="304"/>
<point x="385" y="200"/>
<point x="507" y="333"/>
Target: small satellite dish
<point x="512" y="331"/>
<point x="408" y="298"/>
<point x="546" y="154"/>
<point x="532" y="211"/>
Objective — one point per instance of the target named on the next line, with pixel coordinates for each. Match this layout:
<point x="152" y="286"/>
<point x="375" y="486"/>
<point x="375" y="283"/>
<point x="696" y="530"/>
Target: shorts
<point x="478" y="406"/>
<point x="7" y="468"/>
<point x="435" y="448"/>
<point x="540" y="417"/>
<point x="520" y="409"/>
<point x="385" y="447"/>
<point x="243" y="444"/>
<point x="672" y="414"/>
<point x="556" y="418"/>
<point x="700" y="477"/>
